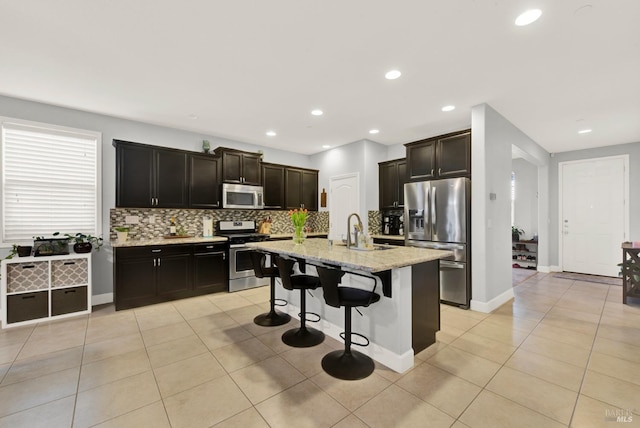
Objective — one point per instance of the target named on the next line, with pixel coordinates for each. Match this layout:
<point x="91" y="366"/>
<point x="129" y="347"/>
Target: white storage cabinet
<point x="35" y="289"/>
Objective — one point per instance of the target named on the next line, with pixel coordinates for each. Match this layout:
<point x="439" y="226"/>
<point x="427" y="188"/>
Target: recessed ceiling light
<point x="392" y="75"/>
<point x="528" y="17"/>
<point x="317" y="112"/>
<point x="374" y="131"/>
<point x="448" y="108"/>
<point x="192" y="116"/>
<point x="584" y="131"/>
<point x="271" y="133"/>
<point x="326" y="146"/>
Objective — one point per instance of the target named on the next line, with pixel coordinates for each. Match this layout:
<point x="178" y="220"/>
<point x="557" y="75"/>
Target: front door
<point x="593" y="215"/>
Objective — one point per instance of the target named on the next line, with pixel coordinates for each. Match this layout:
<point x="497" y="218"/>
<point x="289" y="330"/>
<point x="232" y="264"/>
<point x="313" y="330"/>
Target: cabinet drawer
<point x="27" y="276"/>
<point x="27" y="306"/>
<point x="69" y="272"/>
<point x="68" y="300"/>
<point x="209" y="248"/>
<point x="152" y="251"/>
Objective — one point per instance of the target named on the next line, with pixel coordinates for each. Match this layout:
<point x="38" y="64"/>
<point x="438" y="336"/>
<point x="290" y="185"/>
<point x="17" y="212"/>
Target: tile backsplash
<point x="191" y="220"/>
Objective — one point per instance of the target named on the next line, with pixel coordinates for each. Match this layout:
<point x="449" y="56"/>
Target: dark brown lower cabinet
<point x="153" y="274"/>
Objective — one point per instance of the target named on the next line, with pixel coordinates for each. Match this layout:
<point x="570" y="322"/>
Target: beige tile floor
<point x="562" y="353"/>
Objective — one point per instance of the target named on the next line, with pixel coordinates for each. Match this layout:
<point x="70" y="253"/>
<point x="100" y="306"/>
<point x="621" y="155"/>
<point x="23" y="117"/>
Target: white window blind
<point x="50" y="181"/>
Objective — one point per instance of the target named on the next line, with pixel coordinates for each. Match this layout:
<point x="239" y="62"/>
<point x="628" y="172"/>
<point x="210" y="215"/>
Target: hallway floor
<point x="561" y="353"/>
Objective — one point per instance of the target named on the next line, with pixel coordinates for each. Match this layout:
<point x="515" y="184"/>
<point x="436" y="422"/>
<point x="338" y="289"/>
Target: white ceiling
<point x="245" y="67"/>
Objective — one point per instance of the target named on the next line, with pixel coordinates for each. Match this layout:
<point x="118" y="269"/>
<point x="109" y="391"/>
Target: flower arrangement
<point x="298" y="218"/>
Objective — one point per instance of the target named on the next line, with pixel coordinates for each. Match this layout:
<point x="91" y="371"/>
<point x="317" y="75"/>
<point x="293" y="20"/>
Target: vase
<point x="122" y="237"/>
<point x="299" y="235"/>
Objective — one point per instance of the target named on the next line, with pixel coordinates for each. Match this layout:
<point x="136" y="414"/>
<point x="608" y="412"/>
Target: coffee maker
<point x="392" y="224"/>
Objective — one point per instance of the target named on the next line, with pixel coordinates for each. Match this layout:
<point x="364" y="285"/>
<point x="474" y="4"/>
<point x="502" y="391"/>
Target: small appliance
<point x="392" y="224"/>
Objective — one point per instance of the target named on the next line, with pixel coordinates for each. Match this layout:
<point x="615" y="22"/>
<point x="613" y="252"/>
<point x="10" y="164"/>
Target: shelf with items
<point x="524" y="254"/>
<point x="34" y="289"/>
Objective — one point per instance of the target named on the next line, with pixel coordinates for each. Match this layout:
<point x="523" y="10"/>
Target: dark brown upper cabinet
<point x="445" y="156"/>
<point x="391" y="177"/>
<point x="273" y="184"/>
<point x="150" y="177"/>
<point x="239" y="167"/>
<point x="204" y="181"/>
<point x="301" y="188"/>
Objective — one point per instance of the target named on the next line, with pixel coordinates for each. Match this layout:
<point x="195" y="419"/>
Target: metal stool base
<point x="347" y="366"/>
<point x="303" y="337"/>
<point x="272" y="319"/>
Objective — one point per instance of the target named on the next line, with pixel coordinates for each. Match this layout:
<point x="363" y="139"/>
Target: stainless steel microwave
<point x="242" y="196"/>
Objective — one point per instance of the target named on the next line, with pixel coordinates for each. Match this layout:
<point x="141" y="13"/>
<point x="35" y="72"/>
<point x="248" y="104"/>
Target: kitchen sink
<point x="374" y="247"/>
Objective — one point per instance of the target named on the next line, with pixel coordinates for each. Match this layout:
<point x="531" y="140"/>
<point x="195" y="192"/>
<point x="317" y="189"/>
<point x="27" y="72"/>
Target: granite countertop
<point x="317" y="249"/>
<point x="167" y="241"/>
<point x="290" y="235"/>
<point x="394" y="237"/>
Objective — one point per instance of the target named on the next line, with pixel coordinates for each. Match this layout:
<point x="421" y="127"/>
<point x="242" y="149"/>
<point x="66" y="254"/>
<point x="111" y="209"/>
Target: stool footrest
<point x="280" y="302"/>
<point x="310" y="313"/>
<point x="343" y="337"/>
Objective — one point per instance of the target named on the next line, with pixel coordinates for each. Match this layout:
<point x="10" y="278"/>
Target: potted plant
<point x="515" y="233"/>
<point x="83" y="243"/>
<point x="122" y="232"/>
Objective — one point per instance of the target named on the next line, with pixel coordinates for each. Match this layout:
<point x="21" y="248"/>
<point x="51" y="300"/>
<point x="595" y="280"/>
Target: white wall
<point x="526" y="201"/>
<point x="492" y="138"/>
<point x="115" y="128"/>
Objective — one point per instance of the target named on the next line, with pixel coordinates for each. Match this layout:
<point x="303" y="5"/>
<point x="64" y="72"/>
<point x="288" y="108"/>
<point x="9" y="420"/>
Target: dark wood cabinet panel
<point x="301" y="188"/>
<point x="171" y="179"/>
<point x="454" y="155"/>
<point x="273" y="184"/>
<point x="134" y="176"/>
<point x="239" y="167"/>
<point x="150" y="177"/>
<point x="421" y="160"/>
<point x="204" y="182"/>
<point x="147" y="275"/>
<point x="391" y="178"/>
<point x="310" y="190"/>
<point x="445" y="156"/>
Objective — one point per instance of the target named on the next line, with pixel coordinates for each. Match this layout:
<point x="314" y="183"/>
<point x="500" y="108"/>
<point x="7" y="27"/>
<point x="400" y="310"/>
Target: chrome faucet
<point x="360" y="227"/>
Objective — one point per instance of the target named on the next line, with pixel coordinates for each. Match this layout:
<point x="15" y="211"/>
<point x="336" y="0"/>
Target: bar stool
<point x="273" y="317"/>
<point x="304" y="336"/>
<point x="346" y="364"/>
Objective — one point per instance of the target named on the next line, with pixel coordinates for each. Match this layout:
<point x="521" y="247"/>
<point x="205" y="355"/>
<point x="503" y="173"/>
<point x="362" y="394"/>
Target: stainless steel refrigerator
<point x="437" y="214"/>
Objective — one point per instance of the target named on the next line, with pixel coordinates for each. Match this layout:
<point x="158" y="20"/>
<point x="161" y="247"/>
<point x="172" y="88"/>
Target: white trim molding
<point x="492" y="304"/>
<point x="101" y="299"/>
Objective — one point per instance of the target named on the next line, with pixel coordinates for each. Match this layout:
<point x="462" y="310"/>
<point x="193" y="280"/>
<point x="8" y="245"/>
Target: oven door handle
<point x="238" y="246"/>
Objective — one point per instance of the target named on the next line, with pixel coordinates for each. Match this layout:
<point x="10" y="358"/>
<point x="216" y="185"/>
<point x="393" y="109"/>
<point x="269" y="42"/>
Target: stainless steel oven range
<point x="241" y="275"/>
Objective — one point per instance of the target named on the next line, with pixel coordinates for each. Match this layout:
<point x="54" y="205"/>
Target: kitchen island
<point x="406" y="318"/>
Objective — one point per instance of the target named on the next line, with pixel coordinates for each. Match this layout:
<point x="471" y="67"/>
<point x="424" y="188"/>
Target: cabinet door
<point x="204" y="186"/>
<point x="171" y="179"/>
<point x="134" y="176"/>
<point x="310" y="190"/>
<point x="293" y="188"/>
<point x="134" y="281"/>
<point x="273" y="183"/>
<point x="231" y="167"/>
<point x="210" y="272"/>
<point x="421" y="158"/>
<point x="251" y="169"/>
<point x="173" y="274"/>
<point x="453" y="156"/>
<point x="388" y="184"/>
<point x="402" y="179"/>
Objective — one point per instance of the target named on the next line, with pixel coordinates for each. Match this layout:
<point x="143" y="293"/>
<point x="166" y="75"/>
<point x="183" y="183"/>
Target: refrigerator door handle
<point x="433" y="210"/>
<point x="427" y="213"/>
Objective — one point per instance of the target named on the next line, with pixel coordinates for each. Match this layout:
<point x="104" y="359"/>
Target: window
<point x="50" y="180"/>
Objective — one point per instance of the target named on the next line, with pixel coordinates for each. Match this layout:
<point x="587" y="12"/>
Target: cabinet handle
<point x="69" y="263"/>
<point x="431" y="171"/>
<point x="208" y="247"/>
<point x="155" y="264"/>
<point x="69" y="291"/>
<point x="158" y="262"/>
<point x="32" y="296"/>
<point x="439" y="171"/>
<point x="28" y="267"/>
<point x="157" y="250"/>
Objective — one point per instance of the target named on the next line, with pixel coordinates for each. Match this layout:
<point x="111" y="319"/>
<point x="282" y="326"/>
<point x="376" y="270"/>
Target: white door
<point x="593" y="216"/>
<point x="344" y="199"/>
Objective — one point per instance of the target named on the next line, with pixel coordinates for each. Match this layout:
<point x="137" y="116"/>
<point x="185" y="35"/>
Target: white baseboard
<point x="555" y="269"/>
<point x="544" y="269"/>
<point x="101" y="299"/>
<point x="492" y="304"/>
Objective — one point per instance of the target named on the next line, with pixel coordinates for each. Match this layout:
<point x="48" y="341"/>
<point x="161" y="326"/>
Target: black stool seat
<point x="304" y="336"/>
<point x="346" y="364"/>
<point x="273" y="317"/>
